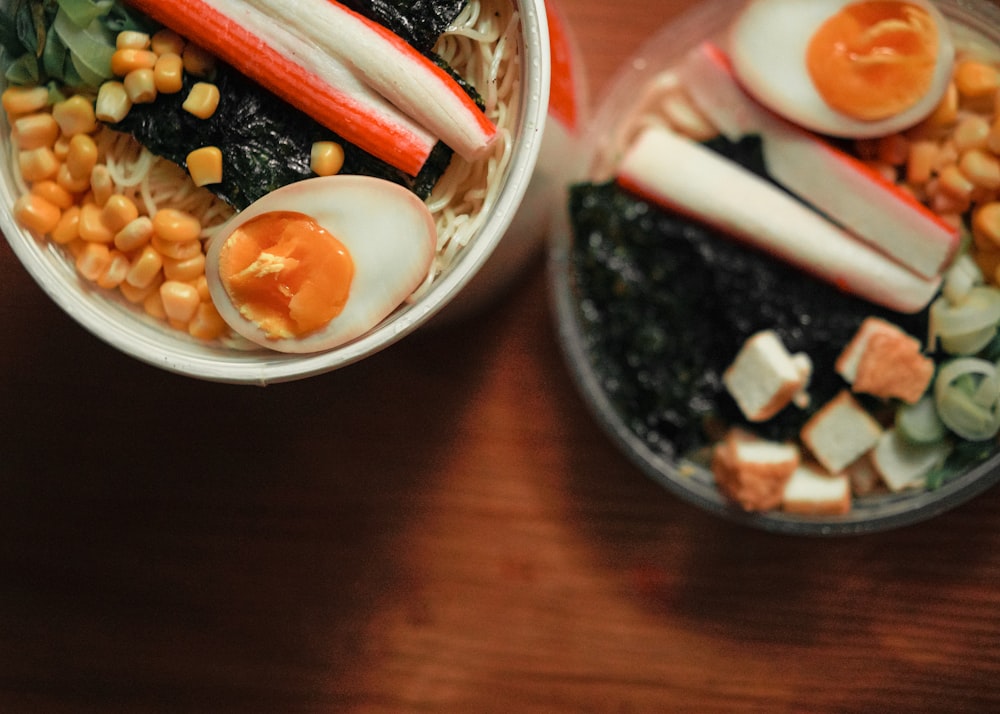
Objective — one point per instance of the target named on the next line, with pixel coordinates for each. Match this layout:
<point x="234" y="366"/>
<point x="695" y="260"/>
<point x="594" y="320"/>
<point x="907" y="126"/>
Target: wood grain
<point x="441" y="528"/>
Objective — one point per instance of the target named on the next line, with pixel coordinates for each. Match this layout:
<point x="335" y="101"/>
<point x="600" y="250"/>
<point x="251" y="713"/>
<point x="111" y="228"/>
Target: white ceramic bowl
<point x="126" y="328"/>
<point x="696" y="485"/>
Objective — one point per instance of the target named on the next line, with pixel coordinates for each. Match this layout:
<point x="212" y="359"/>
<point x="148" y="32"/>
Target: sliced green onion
<point x="967" y="395"/>
<point x="980" y="309"/>
<point x="919" y="423"/>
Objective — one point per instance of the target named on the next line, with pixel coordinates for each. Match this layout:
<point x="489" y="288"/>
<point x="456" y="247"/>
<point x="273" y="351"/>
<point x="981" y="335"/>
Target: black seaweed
<point x="265" y="143"/>
<point x="666" y="303"/>
<point x="419" y="22"/>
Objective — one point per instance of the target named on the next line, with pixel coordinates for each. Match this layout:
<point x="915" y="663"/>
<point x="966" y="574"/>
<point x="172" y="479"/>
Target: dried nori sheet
<point x="265" y="143"/>
<point x="419" y="22"/>
<point x="666" y="303"/>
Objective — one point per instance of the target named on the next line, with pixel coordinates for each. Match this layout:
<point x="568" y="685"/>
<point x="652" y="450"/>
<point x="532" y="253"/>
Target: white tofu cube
<point x="811" y="492"/>
<point x="764" y="377"/>
<point x="840" y="433"/>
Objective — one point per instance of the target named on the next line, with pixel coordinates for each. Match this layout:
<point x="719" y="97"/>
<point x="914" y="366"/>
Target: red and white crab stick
<point x="274" y="51"/>
<point x="682" y="175"/>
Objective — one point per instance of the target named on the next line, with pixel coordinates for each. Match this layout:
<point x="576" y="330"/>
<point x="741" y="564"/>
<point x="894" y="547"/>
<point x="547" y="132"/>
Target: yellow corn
<point x="164" y="41"/>
<point x="113" y="103"/>
<point x="73" y="185"/>
<point x="153" y="305"/>
<point x="140" y="86"/>
<point x="986" y="226"/>
<point x="119" y="211"/>
<point x="326" y="158"/>
<point x="136" y="294"/>
<point x="53" y="193"/>
<point x="205" y="165"/>
<point x="981" y="168"/>
<point x="186" y="270"/>
<point x="201" y="285"/>
<point x="24" y="100"/>
<point x="81" y="156"/>
<point x="202" y="100"/>
<point x="177" y="250"/>
<point x="93" y="261"/>
<point x="67" y="229"/>
<point x="101" y="184"/>
<point x="36" y="214"/>
<point x="176" y="226"/>
<point x="38" y="164"/>
<point x="75" y="115"/>
<point x="946" y="112"/>
<point x="975" y="79"/>
<point x="92" y="225"/>
<point x="34" y="131"/>
<point x="132" y="40"/>
<point x="971" y="132"/>
<point x="135" y="235"/>
<point x="955" y="184"/>
<point x="127" y="60"/>
<point x="168" y="73"/>
<point x="207" y="324"/>
<point x="114" y="274"/>
<point x="197" y="61"/>
<point x="145" y="268"/>
<point x="180" y="300"/>
<point x="919" y="165"/>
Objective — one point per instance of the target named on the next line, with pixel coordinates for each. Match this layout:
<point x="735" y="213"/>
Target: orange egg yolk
<point x="873" y="60"/>
<point x="286" y="273"/>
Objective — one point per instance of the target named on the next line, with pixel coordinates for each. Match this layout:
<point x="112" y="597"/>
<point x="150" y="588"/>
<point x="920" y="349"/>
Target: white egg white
<point x="768" y="42"/>
<point x="388" y="231"/>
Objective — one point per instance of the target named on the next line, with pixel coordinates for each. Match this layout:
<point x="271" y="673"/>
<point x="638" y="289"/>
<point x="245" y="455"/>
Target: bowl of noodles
<point x="659" y="309"/>
<point x="496" y="50"/>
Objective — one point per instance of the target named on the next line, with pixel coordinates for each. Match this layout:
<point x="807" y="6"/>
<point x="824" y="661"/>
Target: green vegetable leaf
<point x="91" y="48"/>
<point x="83" y="12"/>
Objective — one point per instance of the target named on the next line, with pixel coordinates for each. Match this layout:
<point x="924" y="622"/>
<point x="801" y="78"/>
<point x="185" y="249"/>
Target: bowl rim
<point x="890" y="511"/>
<point x="102" y="314"/>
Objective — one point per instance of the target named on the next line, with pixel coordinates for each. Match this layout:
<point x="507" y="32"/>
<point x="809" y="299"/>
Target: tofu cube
<point x="764" y="377"/>
<point x="884" y="361"/>
<point x="810" y="491"/>
<point x="752" y="472"/>
<point x="840" y="432"/>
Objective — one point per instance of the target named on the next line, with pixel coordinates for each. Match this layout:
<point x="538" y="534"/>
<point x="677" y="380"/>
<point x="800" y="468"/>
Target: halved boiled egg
<point x="320" y="262"/>
<point x="845" y="68"/>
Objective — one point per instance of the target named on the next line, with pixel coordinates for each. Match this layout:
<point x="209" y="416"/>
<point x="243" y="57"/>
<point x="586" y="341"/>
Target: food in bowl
<point x="804" y="320"/>
<point x="140" y="128"/>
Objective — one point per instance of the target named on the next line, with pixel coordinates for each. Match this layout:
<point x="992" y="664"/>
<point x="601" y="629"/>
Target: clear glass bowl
<point x="128" y="329"/>
<point x="708" y="20"/>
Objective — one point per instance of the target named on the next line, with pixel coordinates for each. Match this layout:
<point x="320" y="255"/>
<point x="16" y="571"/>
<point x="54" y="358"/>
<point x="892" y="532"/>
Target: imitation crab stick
<point x="685" y="176"/>
<point x="268" y="50"/>
<point x="836" y="183"/>
<point x="392" y="67"/>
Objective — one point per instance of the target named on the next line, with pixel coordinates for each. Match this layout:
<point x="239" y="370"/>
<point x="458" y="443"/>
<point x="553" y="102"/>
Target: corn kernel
<point x="119" y="210"/>
<point x="186" y="270"/>
<point x="92" y="226"/>
<point x="177" y="250"/>
<point x="986" y="226"/>
<point x="201" y="285"/>
<point x="207" y="323"/>
<point x="975" y="79"/>
<point x="132" y="40"/>
<point x="113" y="103"/>
<point x="140" y="86"/>
<point x="202" y="100"/>
<point x="145" y="268"/>
<point x="137" y="294"/>
<point x="971" y="132"/>
<point x="180" y="300"/>
<point x="135" y="235"/>
<point x="24" y="100"/>
<point x="954" y="183"/>
<point x="153" y="305"/>
<point x="67" y="229"/>
<point x="168" y="73"/>
<point x="205" y="165"/>
<point x="125" y="61"/>
<point x="946" y="112"/>
<point x="326" y="158"/>
<point x="82" y="156"/>
<point x="75" y="115"/>
<point x="176" y="226"/>
<point x="114" y="274"/>
<point x="93" y="261"/>
<point x="38" y="164"/>
<point x="36" y="214"/>
<point x="197" y="60"/>
<point x="53" y="193"/>
<point x="981" y="168"/>
<point x="165" y="40"/>
<point x="67" y="182"/>
<point x="101" y="184"/>
<point x="919" y="165"/>
<point x="34" y="131"/>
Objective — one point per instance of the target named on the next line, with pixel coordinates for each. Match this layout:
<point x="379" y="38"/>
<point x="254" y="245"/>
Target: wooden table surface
<point x="441" y="528"/>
